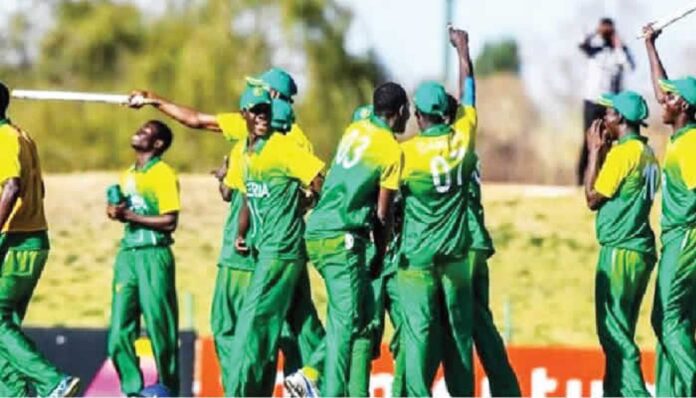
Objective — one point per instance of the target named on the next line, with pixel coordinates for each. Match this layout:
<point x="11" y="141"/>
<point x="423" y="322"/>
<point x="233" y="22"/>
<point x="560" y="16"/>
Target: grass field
<point x="544" y="266"/>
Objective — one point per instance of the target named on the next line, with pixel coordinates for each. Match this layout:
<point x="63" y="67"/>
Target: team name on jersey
<point x="257" y="189"/>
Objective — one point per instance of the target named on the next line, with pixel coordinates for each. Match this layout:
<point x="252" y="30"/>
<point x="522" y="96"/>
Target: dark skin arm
<point x="460" y="41"/>
<point x="189" y="117"/>
<point x="310" y="197"/>
<point x="8" y="199"/>
<point x="164" y="222"/>
<point x="597" y="150"/>
<point x="657" y="70"/>
<point x="382" y="228"/>
<point x="219" y="174"/>
<point x="244" y="222"/>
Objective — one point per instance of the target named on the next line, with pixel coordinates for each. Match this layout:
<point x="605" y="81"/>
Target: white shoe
<point x="300" y="386"/>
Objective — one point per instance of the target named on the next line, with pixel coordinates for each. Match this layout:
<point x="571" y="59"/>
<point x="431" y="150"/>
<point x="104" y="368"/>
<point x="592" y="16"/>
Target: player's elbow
<point x="11" y="189"/>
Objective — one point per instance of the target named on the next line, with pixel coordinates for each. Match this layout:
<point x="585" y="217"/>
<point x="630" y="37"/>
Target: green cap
<point x="252" y="96"/>
<point x="282" y="116"/>
<point x="276" y="79"/>
<point x="629" y="104"/>
<point x="362" y="112"/>
<point x="431" y="99"/>
<point x="685" y="88"/>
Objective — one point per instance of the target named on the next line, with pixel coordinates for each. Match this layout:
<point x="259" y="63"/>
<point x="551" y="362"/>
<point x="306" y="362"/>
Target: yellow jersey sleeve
<point x="302" y="165"/>
<point x="687" y="160"/>
<point x="300" y="138"/>
<point x="10" y="166"/>
<point x="234" y="179"/>
<point x="233" y="126"/>
<point x="390" y="174"/>
<point x="167" y="191"/>
<point x="614" y="171"/>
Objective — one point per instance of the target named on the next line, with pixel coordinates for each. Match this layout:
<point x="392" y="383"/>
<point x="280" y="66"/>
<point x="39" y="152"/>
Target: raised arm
<point x="597" y="149"/>
<point x="466" y="89"/>
<point x="163" y="222"/>
<point x="189" y="117"/>
<point x="657" y="70"/>
<point x="8" y="199"/>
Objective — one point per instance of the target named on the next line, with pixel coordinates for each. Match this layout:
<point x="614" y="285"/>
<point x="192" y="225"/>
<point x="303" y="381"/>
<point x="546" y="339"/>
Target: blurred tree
<point x="497" y="57"/>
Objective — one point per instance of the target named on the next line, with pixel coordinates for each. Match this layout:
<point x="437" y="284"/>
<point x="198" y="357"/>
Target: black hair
<point x="432" y="119"/>
<point x="388" y="98"/>
<point x="4" y="99"/>
<point x="164" y="133"/>
<point x="606" y="21"/>
<point x="452" y="106"/>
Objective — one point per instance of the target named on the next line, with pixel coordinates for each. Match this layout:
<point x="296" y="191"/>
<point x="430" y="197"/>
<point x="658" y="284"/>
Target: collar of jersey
<point x="260" y="143"/>
<point x="4" y="122"/>
<point x="436" y="130"/>
<point x="379" y="122"/>
<point x="147" y="166"/>
<point x="682" y="131"/>
<point x="632" y="136"/>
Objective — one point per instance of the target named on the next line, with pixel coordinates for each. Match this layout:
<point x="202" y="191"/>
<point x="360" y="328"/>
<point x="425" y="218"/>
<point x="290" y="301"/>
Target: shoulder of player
<point x="9" y="134"/>
<point x="687" y="140"/>
<point x="163" y="169"/>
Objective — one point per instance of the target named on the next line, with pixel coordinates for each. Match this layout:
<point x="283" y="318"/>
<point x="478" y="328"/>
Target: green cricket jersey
<point x="679" y="184"/>
<point x="275" y="168"/>
<point x="150" y="191"/>
<point x="480" y="237"/>
<point x="629" y="177"/>
<point x="368" y="158"/>
<point x="437" y="167"/>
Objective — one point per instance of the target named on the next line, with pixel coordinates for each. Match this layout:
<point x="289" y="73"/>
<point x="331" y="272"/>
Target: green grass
<point x="544" y="265"/>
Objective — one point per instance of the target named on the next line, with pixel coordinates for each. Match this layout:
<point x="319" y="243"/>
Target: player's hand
<point x="240" y="245"/>
<point x="617" y="43"/>
<point x="650" y="34"/>
<point x="458" y="37"/>
<point x="221" y="171"/>
<point x="116" y="212"/>
<point x="139" y="98"/>
<point x="596" y="136"/>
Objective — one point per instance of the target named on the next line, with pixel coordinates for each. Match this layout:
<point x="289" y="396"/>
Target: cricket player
<point x="275" y="167"/>
<point x="24" y="247"/>
<point x="490" y="347"/>
<point x="673" y="316"/>
<point x="144" y="270"/>
<point x="355" y="203"/>
<point x="434" y="279"/>
<point x="620" y="184"/>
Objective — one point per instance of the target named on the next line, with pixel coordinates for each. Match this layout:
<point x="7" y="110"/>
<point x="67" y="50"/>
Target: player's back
<point x="368" y="157"/>
<point x="22" y="161"/>
<point x="437" y="167"/>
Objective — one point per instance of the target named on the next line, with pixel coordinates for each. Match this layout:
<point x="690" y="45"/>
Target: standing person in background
<point x="620" y="184"/>
<point x="607" y="60"/>
<point x="24" y="249"/>
<point x="674" y="313"/>
<point x="144" y="273"/>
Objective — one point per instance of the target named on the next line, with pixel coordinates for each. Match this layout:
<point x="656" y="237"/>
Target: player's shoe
<point x="299" y="385"/>
<point x="67" y="387"/>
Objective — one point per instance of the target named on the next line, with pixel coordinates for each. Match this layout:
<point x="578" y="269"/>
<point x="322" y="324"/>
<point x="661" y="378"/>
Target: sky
<point x="408" y="36"/>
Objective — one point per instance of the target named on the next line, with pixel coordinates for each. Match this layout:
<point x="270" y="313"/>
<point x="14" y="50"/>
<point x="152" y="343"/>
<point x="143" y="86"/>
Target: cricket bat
<point x="119" y="99"/>
<point x="665" y="22"/>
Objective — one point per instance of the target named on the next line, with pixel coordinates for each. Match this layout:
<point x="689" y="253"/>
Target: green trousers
<point x="674" y="317"/>
<point x="621" y="279"/>
<point x="144" y="284"/>
<point x="20" y="361"/>
<point x="341" y="261"/>
<point x="387" y="302"/>
<point x="260" y="323"/>
<point x="489" y="345"/>
<point x="437" y="315"/>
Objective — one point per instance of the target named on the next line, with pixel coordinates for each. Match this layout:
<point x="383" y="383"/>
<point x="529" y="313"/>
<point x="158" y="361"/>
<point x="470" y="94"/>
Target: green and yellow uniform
<point x="488" y="342"/>
<point x="24" y="249"/>
<point x="674" y="317"/>
<point x="144" y="279"/>
<point x="629" y="177"/>
<point x="368" y="158"/>
<point x="434" y="280"/>
<point x="234" y="129"/>
<point x="274" y="170"/>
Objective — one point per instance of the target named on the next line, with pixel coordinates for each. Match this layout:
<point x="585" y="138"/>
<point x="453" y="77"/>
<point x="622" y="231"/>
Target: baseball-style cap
<point x="252" y="96"/>
<point x="277" y="79"/>
<point x="684" y="87"/>
<point x="431" y="99"/>
<point x="629" y="104"/>
<point x="362" y="112"/>
<point x="282" y="116"/>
